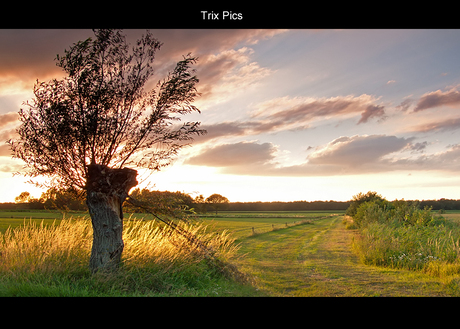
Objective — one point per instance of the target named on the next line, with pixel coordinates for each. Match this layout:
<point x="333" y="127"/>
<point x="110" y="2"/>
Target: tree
<point x="172" y="204"/>
<point x="82" y="131"/>
<point x="63" y="199"/>
<point x="32" y="203"/>
<point x="200" y="203"/>
<point x="360" y="198"/>
<point x="217" y="201"/>
<point x="23" y="197"/>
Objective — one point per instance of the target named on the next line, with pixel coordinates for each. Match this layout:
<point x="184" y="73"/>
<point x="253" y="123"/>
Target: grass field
<point x="246" y="224"/>
<point x="453" y="215"/>
<point x="317" y="260"/>
<point x="285" y="254"/>
<point x="15" y="218"/>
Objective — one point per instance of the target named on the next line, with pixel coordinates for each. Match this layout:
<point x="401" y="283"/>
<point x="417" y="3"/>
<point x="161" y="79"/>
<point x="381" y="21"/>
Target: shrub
<point x="359" y="199"/>
<point x="370" y="211"/>
<point x="401" y="235"/>
<point x="396" y="213"/>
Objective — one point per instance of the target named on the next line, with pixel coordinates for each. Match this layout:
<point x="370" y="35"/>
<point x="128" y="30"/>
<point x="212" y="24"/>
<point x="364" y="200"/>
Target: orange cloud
<point x="238" y="154"/>
<point x="222" y="74"/>
<point x="438" y="98"/>
<point x="355" y="155"/>
<point x="445" y="125"/>
<point x="8" y="118"/>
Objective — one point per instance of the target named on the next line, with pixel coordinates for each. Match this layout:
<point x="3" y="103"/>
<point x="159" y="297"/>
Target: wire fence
<point x="269" y="227"/>
<point x="240" y="232"/>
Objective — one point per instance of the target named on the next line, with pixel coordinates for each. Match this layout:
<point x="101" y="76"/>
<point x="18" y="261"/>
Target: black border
<point x="172" y="14"/>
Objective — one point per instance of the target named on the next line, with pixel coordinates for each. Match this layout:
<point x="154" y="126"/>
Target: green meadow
<point x="45" y="253"/>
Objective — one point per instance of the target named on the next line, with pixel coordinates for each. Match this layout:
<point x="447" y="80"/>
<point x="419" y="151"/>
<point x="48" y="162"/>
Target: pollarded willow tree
<point x="89" y="130"/>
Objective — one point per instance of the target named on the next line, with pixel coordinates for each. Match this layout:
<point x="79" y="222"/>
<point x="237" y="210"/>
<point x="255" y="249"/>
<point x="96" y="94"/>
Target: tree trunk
<point x="107" y="189"/>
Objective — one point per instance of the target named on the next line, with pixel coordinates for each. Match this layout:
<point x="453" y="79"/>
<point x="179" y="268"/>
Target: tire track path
<point x="317" y="260"/>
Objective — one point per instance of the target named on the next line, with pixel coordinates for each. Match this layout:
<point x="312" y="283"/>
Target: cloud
<point x="286" y="113"/>
<point x="372" y="111"/>
<point x="7" y="134"/>
<point x="355" y="155"/>
<point x="27" y="55"/>
<point x="230" y="155"/>
<point x="417" y="147"/>
<point x="222" y="74"/>
<point x="10" y="167"/>
<point x="388" y="157"/>
<point x="177" y="42"/>
<point x="223" y="129"/>
<point x="447" y="161"/>
<point x="8" y="118"/>
<point x="357" y="151"/>
<point x="342" y="156"/>
<point x="300" y="111"/>
<point x="438" y="98"/>
<point x="5" y="149"/>
<point x="438" y="126"/>
<point x="372" y="154"/>
<point x="405" y="104"/>
<point x="227" y="129"/>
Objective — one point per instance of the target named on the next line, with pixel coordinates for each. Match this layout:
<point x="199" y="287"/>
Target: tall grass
<point x="36" y="248"/>
<point x="53" y="260"/>
<point x="408" y="237"/>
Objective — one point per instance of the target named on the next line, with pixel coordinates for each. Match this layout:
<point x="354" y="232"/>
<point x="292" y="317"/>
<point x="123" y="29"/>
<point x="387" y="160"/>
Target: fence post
<point x="253" y="231"/>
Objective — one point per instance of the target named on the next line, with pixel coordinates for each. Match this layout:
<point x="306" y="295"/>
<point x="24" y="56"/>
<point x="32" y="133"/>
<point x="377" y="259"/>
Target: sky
<point x="291" y="114"/>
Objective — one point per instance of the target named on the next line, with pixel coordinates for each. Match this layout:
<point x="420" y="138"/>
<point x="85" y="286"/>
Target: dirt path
<point x="317" y="260"/>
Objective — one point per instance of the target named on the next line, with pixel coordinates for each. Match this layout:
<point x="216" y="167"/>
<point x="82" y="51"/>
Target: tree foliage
<point x="63" y="199"/>
<point x="173" y="204"/>
<point x="24" y="197"/>
<point x="101" y="114"/>
<point x="360" y="198"/>
<point x="217" y="201"/>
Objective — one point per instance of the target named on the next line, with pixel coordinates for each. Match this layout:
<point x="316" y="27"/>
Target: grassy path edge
<point x="318" y="260"/>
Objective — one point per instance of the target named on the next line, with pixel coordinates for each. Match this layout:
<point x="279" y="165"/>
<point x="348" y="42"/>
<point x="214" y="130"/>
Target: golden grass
<point x="39" y="248"/>
<point x="66" y="247"/>
<point x="147" y="242"/>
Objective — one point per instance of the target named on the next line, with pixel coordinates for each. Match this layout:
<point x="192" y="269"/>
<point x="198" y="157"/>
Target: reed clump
<point x="401" y="235"/>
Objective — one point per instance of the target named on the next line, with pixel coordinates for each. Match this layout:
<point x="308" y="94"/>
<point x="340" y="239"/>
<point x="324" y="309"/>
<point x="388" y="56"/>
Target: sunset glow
<point x="290" y="114"/>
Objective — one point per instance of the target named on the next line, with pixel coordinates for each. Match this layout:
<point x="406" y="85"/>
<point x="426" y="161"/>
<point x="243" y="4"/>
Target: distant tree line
<point x="160" y="202"/>
<point x="288" y="206"/>
<point x="441" y="204"/>
<point x="53" y="198"/>
<point x="360" y="199"/>
<point x="175" y="203"/>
